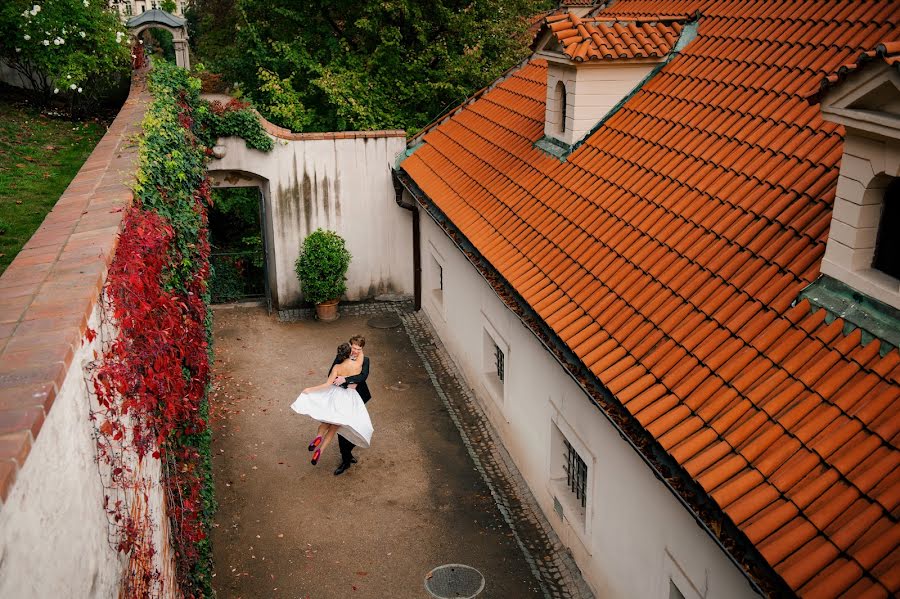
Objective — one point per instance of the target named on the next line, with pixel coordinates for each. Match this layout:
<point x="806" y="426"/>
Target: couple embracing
<point x="339" y="404"/>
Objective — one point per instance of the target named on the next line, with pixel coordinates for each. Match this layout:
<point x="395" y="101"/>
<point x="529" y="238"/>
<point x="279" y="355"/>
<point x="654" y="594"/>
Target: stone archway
<point x="163" y="20"/>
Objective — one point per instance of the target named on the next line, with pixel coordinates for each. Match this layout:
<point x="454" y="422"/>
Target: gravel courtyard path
<point x="414" y="501"/>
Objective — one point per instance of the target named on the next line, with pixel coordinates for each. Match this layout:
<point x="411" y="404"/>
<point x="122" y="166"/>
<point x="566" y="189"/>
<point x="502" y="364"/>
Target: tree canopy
<point x="328" y="65"/>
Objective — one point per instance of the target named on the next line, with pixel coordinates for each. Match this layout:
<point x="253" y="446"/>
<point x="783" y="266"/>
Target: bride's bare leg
<point x="329" y="435"/>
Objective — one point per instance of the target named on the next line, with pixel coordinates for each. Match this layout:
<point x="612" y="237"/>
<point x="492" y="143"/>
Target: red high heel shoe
<point x="315" y="443"/>
<point x="315" y="459"/>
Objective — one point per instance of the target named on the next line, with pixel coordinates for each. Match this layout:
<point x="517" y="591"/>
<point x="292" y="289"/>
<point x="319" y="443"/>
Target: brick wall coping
<point x="53" y="285"/>
<point x="286" y="134"/>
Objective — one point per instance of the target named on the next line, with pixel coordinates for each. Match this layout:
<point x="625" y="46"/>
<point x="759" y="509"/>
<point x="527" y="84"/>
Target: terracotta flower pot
<point x="327" y="311"/>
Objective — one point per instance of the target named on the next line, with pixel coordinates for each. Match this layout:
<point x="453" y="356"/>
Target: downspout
<point x="417" y="255"/>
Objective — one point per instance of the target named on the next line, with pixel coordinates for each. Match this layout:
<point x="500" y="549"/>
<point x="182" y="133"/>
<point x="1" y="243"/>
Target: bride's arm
<point x="331" y="377"/>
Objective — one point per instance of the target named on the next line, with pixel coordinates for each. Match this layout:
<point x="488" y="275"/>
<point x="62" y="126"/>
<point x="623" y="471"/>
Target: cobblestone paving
<point x="550" y="562"/>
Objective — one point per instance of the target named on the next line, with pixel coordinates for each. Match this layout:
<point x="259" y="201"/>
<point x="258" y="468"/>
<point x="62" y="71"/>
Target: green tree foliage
<point x="325" y="65"/>
<point x="75" y="49"/>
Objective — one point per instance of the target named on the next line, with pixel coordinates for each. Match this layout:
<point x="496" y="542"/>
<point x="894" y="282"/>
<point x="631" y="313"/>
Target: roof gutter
<point x="760" y="575"/>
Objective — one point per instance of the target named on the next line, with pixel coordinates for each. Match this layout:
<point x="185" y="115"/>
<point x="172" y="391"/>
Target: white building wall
<point x="54" y="532"/>
<point x="635" y="535"/>
<point x="340" y="184"/>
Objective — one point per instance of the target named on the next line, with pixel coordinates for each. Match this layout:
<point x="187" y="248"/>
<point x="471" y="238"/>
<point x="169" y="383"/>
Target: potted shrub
<point x="322" y="270"/>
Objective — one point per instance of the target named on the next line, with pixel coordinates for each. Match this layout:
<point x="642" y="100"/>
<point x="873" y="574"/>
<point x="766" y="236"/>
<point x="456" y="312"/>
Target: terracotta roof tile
<point x="603" y="39"/>
<point x="668" y="249"/>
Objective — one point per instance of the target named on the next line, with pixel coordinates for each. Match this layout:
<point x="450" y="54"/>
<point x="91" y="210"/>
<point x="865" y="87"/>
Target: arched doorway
<point x="160" y="19"/>
<point x="241" y="233"/>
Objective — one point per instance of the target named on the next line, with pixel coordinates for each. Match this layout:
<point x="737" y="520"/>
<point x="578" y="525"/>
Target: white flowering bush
<point x="74" y="49"/>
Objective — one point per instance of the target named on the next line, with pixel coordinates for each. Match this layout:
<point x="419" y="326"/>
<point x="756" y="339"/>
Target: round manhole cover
<point x="454" y="581"/>
<point x="386" y="321"/>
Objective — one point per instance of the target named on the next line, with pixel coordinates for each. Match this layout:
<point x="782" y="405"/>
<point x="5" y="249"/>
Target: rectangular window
<point x="674" y="591"/>
<point x="571" y="478"/>
<point x="495" y="361"/>
<point x="576" y="474"/>
<point x="435" y="278"/>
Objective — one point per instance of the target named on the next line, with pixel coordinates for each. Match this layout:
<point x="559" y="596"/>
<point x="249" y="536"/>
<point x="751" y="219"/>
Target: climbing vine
<point x="235" y="118"/>
<point x="151" y="380"/>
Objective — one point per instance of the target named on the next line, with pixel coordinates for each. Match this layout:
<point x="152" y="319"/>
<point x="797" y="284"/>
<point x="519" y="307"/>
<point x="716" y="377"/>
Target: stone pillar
<point x="182" y="57"/>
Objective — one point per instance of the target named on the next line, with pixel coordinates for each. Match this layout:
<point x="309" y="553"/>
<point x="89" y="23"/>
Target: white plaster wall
<point x="54" y="533"/>
<point x="636" y="535"/>
<point x="343" y="185"/>
<point x="598" y="89"/>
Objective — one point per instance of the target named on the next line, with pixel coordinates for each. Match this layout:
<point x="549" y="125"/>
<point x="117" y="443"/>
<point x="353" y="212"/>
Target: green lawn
<point x="39" y="156"/>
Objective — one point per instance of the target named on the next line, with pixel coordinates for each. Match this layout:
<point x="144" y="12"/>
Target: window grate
<point x="440" y="278"/>
<point x="499" y="359"/>
<point x="576" y="473"/>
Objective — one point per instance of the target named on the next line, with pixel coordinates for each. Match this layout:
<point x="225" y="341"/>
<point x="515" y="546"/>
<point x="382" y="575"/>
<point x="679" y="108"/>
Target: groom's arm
<point x="362" y="376"/>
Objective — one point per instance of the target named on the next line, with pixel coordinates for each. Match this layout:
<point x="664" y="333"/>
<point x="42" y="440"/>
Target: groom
<point x="357" y="343"/>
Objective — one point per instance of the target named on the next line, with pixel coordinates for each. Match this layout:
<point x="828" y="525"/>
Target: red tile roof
<point x="887" y="51"/>
<point x="666" y="253"/>
<point x="601" y="38"/>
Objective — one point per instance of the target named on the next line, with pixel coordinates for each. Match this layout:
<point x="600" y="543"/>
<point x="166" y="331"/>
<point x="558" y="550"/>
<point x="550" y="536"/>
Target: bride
<point x="338" y="409"/>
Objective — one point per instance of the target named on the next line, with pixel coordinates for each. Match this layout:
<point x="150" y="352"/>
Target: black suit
<point x="363" y="389"/>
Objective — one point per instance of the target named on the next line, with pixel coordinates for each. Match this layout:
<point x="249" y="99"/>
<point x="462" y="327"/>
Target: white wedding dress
<point x="337" y="405"/>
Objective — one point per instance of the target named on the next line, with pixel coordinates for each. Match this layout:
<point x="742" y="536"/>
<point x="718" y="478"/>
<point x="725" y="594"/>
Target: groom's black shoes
<point x="340" y="469"/>
<point x="352" y="460"/>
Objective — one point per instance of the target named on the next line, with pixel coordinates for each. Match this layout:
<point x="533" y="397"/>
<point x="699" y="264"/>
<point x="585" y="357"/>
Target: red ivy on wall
<point x="150" y="382"/>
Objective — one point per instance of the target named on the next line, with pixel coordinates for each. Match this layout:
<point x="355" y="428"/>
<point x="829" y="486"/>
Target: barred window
<point x="576" y="473"/>
<point x="440" y="272"/>
<point x="498" y="359"/>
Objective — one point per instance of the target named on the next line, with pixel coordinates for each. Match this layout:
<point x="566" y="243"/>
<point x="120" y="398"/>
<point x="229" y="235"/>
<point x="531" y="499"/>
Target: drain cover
<point x="387" y="321"/>
<point x="453" y="581"/>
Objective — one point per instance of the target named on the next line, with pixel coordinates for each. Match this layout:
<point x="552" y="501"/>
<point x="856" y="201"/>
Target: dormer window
<point x="887" y="243"/>
<point x="593" y="65"/>
<point x="863" y="250"/>
<point x="860" y="280"/>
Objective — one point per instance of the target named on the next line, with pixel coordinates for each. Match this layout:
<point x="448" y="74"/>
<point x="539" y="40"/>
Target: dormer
<point x="593" y="64"/>
<point x="860" y="279"/>
<point x="863" y="248"/>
